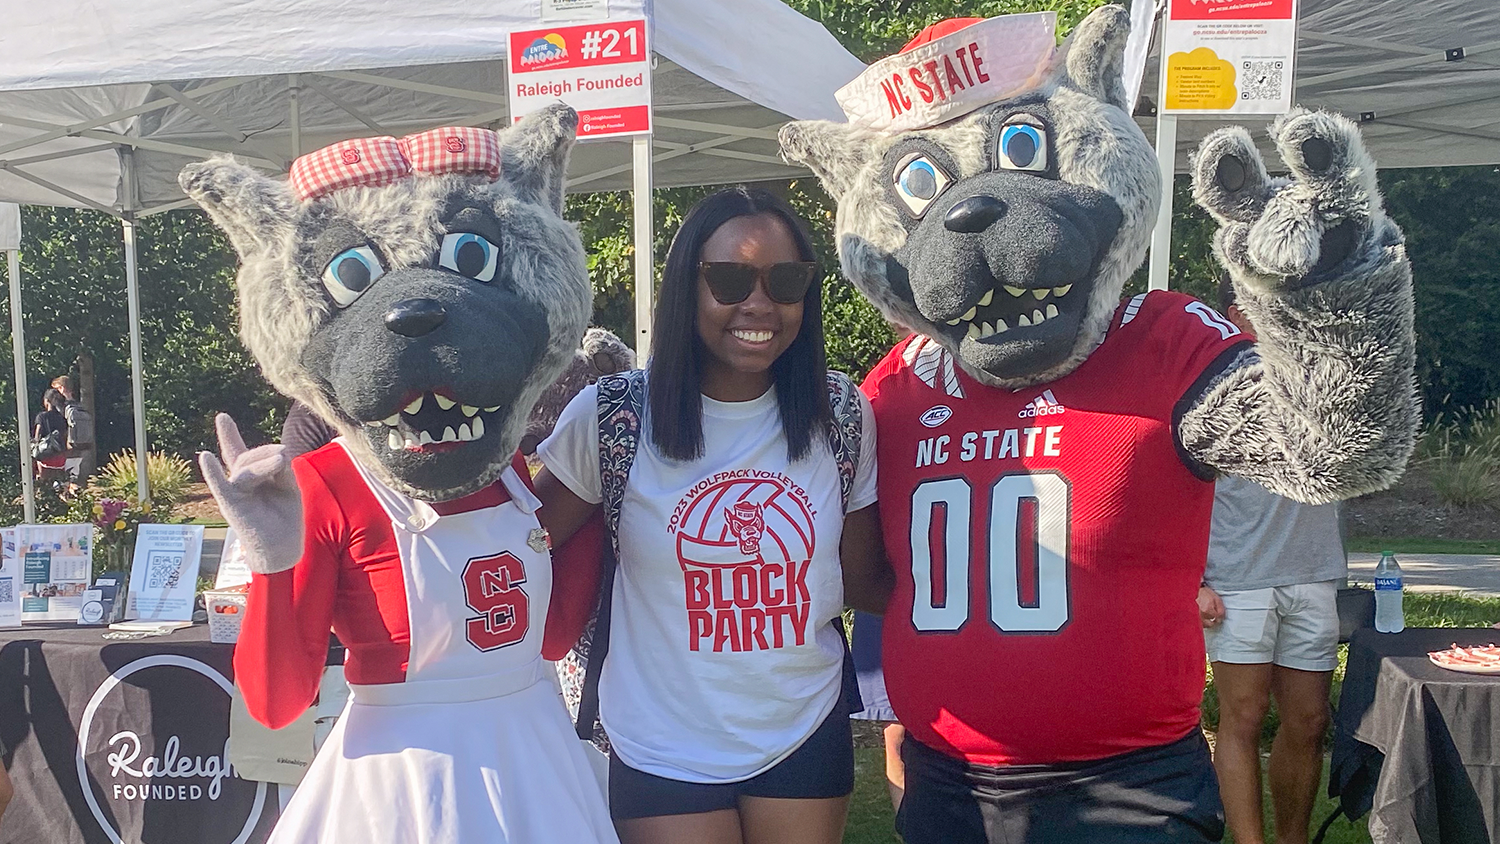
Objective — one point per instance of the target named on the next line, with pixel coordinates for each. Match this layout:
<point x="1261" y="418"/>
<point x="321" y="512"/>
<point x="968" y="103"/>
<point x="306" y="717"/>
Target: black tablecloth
<point x="152" y="718"/>
<point x="1415" y="745"/>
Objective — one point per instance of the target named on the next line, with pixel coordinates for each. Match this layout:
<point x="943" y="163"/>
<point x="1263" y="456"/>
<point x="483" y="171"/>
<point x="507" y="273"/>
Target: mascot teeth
<point x="415" y="406"/>
<point x="443" y="401"/>
<point x="1061" y="291"/>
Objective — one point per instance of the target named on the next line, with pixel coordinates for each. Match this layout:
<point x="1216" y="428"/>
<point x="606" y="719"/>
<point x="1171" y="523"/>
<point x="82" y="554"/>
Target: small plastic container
<point x="226" y="609"/>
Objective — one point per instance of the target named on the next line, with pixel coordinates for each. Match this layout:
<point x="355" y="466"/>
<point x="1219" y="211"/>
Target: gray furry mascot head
<point x="998" y="209"/>
<point x="419" y="294"/>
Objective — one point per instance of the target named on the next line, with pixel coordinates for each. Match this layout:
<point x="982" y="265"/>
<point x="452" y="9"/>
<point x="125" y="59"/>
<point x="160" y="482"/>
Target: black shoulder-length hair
<point x="675" y="369"/>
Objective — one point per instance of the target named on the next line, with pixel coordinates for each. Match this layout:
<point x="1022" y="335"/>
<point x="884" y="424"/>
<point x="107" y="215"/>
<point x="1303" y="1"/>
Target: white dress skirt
<point x="480" y="771"/>
<point x="475" y="746"/>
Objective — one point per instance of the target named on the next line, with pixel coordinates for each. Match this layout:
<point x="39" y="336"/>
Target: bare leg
<point x="1244" y="698"/>
<point x="1297" y="752"/>
<point x="895" y="769"/>
<point x="774" y="820"/>
<point x="721" y="827"/>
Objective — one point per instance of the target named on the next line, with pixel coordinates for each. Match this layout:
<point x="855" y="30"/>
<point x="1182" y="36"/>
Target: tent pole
<point x="645" y="265"/>
<point x="137" y="387"/>
<point x="1161" y="237"/>
<point x="294" y="92"/>
<point x="18" y="348"/>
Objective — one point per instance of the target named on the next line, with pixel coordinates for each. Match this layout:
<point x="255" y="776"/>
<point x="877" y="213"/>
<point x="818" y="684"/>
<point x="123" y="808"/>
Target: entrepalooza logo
<point x="176" y="776"/>
<point x="549" y="49"/>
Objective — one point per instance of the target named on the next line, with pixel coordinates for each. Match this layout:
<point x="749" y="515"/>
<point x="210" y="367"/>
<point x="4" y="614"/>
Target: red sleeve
<point x="577" y="569"/>
<point x="1191" y="339"/>
<point x="283" y="643"/>
<point x="888" y="366"/>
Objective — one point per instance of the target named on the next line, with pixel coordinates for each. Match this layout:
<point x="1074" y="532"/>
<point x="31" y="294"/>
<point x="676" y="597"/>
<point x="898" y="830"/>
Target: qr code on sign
<point x="1262" y="80"/>
<point x="7" y="590"/>
<point x="163" y="570"/>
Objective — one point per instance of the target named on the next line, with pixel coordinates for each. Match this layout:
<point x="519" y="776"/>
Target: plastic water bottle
<point x="1389" y="617"/>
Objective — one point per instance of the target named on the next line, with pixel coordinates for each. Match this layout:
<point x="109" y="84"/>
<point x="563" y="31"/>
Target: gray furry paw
<point x="258" y="495"/>
<point x="1287" y="233"/>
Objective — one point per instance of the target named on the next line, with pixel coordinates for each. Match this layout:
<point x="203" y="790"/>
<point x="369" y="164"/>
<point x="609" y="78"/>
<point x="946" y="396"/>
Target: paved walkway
<point x="1476" y="574"/>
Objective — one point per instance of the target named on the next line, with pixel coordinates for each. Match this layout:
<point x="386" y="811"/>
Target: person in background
<point x="80" y="462"/>
<point x="304" y="431"/>
<point x="1269" y="611"/>
<point x="51" y="468"/>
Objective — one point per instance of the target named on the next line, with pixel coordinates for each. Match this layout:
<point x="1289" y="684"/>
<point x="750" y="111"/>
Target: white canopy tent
<point x="1421" y="78"/>
<point x="102" y="104"/>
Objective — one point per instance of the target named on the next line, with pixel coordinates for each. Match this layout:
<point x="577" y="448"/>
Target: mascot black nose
<point x="415" y="317"/>
<point x="973" y="215"/>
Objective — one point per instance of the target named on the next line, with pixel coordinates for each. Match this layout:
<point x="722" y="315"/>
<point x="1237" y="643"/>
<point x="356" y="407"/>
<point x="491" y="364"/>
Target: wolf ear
<point x="836" y="152"/>
<point x="253" y="210"/>
<point x="1096" y="54"/>
<point x="534" y="154"/>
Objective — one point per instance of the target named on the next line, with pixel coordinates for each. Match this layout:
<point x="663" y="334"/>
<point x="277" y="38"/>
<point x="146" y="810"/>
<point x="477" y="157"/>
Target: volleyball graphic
<point x="745" y="520"/>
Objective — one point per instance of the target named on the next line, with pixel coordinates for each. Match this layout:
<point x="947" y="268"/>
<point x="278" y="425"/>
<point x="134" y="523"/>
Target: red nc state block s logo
<point x="492" y="588"/>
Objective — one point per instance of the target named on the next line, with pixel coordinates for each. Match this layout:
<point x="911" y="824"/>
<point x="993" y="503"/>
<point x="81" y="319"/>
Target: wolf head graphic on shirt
<point x="419" y="294"/>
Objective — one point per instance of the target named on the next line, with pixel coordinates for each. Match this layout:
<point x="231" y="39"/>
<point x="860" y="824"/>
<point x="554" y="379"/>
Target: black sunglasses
<point x="731" y="282"/>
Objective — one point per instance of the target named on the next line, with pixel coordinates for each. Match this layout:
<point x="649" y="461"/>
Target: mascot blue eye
<point x="469" y="255"/>
<point x="919" y="181"/>
<point x="1023" y="147"/>
<point x="351" y="273"/>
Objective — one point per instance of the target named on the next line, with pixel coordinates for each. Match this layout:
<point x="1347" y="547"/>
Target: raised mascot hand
<point x="258" y="496"/>
<point x="1323" y="223"/>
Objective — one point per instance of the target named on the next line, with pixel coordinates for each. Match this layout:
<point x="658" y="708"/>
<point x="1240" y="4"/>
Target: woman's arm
<point x="868" y="579"/>
<point x="563" y="512"/>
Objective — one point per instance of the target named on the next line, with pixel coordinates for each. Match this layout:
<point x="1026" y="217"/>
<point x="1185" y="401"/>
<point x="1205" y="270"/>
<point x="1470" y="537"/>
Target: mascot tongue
<point x="950" y="69"/>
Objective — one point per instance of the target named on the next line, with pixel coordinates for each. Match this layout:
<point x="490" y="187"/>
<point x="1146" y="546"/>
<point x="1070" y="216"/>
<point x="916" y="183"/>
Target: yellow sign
<point x="1199" y="80"/>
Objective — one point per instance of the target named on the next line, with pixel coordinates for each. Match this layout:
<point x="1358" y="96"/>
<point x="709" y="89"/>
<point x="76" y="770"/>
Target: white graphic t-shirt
<point x="723" y="657"/>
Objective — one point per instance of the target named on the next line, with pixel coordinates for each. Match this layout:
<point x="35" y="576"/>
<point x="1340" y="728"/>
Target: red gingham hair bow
<point x="366" y="162"/>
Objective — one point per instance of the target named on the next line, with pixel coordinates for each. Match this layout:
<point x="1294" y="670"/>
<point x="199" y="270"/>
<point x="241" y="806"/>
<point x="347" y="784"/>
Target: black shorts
<point x="823" y="767"/>
<point x="1150" y="796"/>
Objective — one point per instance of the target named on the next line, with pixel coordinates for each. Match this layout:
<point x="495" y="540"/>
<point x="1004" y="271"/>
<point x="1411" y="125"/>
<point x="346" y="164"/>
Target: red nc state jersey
<point x="1048" y="543"/>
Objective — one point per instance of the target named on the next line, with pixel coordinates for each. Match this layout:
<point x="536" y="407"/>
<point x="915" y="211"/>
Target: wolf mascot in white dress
<point x="419" y="294"/>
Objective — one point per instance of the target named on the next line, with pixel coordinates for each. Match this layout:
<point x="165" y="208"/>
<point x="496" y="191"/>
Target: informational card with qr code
<point x="164" y="573"/>
<point x="1228" y="56"/>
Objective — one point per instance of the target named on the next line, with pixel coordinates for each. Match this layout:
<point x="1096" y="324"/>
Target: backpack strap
<point x="622" y="404"/>
<point x="845" y="431"/>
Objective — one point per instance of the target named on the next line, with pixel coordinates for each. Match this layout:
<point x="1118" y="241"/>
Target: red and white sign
<point x="1228" y="56"/>
<point x="601" y="69"/>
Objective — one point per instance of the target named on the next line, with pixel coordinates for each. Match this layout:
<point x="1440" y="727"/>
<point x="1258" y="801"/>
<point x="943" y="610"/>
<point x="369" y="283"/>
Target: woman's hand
<point x="1210" y="607"/>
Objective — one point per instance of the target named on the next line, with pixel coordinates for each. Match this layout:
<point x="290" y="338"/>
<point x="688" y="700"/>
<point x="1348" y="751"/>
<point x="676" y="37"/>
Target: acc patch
<point x="935" y="416"/>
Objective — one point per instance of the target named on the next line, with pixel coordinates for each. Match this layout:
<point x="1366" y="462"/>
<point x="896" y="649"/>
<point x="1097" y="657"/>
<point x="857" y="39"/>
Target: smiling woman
<point x="742" y="518"/>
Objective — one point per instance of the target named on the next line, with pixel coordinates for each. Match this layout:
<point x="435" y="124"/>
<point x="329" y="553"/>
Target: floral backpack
<point x="622" y="403"/>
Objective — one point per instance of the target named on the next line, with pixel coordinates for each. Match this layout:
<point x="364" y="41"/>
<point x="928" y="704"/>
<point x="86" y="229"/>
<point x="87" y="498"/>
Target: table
<point x="1415" y="745"/>
<point x="110" y="740"/>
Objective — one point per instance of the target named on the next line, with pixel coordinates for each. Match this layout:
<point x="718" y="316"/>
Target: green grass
<point x="1422" y="545"/>
<point x="872" y="820"/>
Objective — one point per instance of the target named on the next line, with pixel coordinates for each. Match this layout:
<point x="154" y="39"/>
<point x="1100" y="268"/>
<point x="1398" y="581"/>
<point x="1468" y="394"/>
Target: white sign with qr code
<point x="1228" y="56"/>
<point x="164" y="573"/>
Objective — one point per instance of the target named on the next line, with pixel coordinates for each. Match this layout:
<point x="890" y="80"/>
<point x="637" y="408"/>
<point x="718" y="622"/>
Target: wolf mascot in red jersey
<point x="1047" y="451"/>
<point x="419" y="294"/>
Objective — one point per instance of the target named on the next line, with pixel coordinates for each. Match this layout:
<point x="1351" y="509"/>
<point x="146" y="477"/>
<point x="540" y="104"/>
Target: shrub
<point x="1464" y="458"/>
<point x="168" y="475"/>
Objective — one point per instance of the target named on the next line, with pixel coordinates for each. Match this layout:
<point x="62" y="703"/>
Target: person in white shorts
<point x="1270" y="619"/>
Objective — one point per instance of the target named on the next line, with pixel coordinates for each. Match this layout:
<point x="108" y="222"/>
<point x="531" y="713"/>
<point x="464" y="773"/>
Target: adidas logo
<point x="1045" y="404"/>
